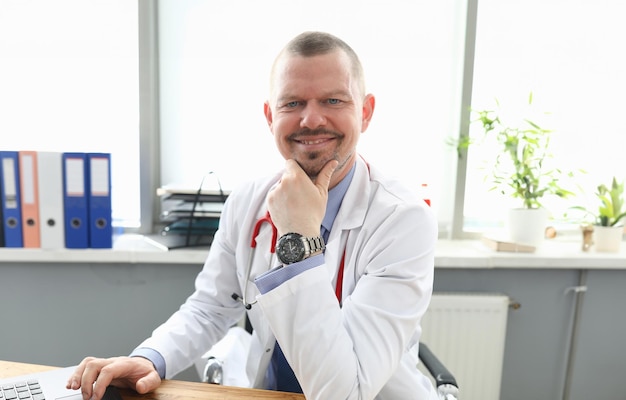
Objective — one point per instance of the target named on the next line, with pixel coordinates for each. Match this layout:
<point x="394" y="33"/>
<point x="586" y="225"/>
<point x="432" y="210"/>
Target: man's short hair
<point x="313" y="43"/>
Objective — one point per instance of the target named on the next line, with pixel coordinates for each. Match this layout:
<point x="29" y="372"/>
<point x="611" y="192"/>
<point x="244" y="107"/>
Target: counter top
<point x="133" y="249"/>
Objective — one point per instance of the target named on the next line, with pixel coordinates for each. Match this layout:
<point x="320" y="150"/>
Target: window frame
<point x="149" y="111"/>
<point x="457" y="224"/>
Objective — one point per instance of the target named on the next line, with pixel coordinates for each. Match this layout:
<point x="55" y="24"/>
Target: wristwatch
<point x="293" y="247"/>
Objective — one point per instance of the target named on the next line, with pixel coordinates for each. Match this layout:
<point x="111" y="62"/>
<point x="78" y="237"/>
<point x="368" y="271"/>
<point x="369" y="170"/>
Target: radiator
<point x="467" y="333"/>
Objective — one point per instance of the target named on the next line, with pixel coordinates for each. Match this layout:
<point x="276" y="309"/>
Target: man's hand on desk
<point x="93" y="375"/>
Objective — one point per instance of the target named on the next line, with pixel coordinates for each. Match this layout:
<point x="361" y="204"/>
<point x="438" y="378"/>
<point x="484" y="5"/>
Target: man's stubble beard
<point x="314" y="171"/>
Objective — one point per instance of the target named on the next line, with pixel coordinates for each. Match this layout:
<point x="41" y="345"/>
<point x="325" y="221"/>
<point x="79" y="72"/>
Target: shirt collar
<point x="335" y="197"/>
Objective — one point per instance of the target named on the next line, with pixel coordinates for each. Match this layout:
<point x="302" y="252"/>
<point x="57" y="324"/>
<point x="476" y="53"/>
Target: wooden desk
<point x="169" y="389"/>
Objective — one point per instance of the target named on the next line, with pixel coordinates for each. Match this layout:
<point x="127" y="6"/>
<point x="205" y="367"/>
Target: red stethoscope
<point x="257" y="228"/>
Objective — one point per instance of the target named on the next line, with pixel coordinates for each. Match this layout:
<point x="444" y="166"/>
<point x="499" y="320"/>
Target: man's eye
<point x="292" y="104"/>
<point x="334" y="101"/>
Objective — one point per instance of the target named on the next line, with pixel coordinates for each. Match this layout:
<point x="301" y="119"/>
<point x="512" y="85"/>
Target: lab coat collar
<point x="354" y="206"/>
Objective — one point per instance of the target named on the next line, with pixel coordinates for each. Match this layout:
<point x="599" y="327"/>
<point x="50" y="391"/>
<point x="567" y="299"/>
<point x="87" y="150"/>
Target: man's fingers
<point x="323" y="179"/>
<point x="74" y="380"/>
<point x="96" y="377"/>
<point x="99" y="387"/>
<point x="86" y="373"/>
<point x="298" y="204"/>
<point x="148" y="383"/>
<point x="292" y="168"/>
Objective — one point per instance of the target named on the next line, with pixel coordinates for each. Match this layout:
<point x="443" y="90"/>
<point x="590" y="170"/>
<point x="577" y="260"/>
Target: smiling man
<point x="336" y="311"/>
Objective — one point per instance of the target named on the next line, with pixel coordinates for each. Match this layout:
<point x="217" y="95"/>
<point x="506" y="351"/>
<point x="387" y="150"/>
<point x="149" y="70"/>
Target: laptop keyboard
<point x="21" y="390"/>
<point x="31" y="390"/>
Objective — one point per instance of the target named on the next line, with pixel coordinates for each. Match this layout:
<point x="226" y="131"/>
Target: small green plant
<point x="519" y="168"/>
<point x="611" y="208"/>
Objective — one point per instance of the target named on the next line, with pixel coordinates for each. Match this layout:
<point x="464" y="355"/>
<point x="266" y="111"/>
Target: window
<point x="69" y="82"/>
<point x="569" y="54"/>
<point x="215" y="58"/>
<point x="69" y="78"/>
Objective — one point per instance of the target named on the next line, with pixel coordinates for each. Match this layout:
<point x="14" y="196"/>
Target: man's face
<point x="316" y="112"/>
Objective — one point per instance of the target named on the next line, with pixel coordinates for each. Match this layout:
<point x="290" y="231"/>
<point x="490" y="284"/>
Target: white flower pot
<point x="607" y="238"/>
<point x="528" y="225"/>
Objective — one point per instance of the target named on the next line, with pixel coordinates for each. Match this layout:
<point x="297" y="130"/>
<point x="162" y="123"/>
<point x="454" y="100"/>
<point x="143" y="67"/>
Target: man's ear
<point x="369" y="104"/>
<point x="267" y="110"/>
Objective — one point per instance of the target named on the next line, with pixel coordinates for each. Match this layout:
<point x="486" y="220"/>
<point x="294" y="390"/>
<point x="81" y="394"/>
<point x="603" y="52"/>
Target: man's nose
<point x="312" y="116"/>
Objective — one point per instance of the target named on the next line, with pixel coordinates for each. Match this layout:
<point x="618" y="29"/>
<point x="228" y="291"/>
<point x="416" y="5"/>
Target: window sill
<point x="463" y="254"/>
<point x="127" y="248"/>
<point x="553" y="254"/>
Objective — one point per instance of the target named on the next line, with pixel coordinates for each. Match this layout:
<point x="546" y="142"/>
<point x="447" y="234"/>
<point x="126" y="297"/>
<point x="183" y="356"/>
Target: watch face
<point x="290" y="248"/>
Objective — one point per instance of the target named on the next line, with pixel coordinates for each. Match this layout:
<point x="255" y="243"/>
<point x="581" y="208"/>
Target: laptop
<point x="48" y="385"/>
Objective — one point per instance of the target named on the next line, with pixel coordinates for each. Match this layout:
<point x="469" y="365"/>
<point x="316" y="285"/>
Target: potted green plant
<point x="519" y="168"/>
<point x="607" y="219"/>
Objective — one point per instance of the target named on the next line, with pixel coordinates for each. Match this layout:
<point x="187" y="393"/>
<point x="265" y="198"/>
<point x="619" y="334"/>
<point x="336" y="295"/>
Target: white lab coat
<point x="362" y="350"/>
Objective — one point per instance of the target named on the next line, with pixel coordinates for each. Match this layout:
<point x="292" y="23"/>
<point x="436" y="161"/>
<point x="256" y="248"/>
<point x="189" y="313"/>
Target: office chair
<point x="237" y="343"/>
<point x="447" y="388"/>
